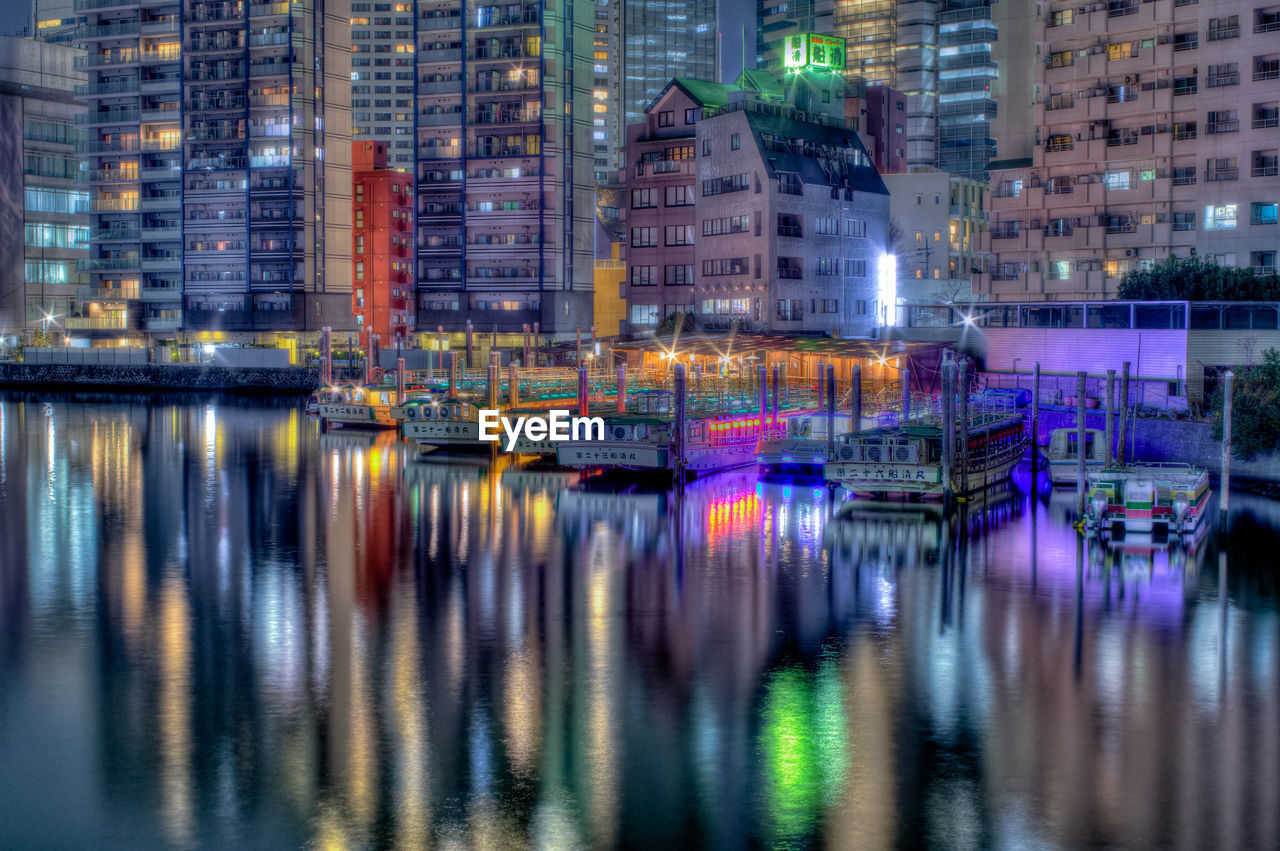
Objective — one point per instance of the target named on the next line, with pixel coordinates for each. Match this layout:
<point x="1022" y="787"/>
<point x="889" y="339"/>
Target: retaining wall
<point x="153" y="376"/>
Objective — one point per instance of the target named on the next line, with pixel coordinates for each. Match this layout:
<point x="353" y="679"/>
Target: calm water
<point x="219" y="627"/>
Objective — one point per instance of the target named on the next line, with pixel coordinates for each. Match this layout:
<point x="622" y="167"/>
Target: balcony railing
<point x="1229" y="126"/>
<point x="114" y="116"/>
<point x="95" y="60"/>
<point x="1212" y="175"/>
<point x="108" y="264"/>
<point x="1266" y="167"/>
<point x="1266" y="119"/>
<point x="96" y="323"/>
<point x="1223" y="33"/>
<point x="117" y="88"/>
<point x="1217" y="81"/>
<point x="125" y="291"/>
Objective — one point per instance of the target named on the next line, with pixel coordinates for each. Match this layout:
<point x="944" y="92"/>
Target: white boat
<point x="803" y="449"/>
<point x="1060" y="456"/>
<point x="362" y="406"/>
<point x="452" y="423"/>
<point x="1147" y="497"/>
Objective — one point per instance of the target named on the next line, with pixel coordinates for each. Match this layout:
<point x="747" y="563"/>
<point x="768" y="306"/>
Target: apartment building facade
<point x="504" y="167"/>
<point x="1157" y="135"/>
<point x="944" y="222"/>
<point x="216" y="155"/>
<point x="743" y="214"/>
<point x="382" y="62"/>
<point x="662" y="39"/>
<point x="38" y="121"/>
<point x="382" y="246"/>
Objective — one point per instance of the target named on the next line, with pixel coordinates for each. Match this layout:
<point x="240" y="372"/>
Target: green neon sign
<point x="809" y="52"/>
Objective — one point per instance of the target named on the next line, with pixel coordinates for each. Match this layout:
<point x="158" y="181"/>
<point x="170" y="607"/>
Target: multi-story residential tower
<point x="743" y="213"/>
<point x="606" y="93"/>
<point x="505" y="177"/>
<point x="38" y="288"/>
<point x="217" y="155"/>
<point x="938" y="54"/>
<point x="663" y="39"/>
<point x="382" y="41"/>
<point x="382" y="246"/>
<point x="54" y="20"/>
<point x="1156" y="135"/>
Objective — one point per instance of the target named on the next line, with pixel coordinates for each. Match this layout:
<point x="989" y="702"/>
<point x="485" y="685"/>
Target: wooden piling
<point x="622" y="388"/>
<point x="1124" y="412"/>
<point x="399" y="381"/>
<point x="513" y="385"/>
<point x="526" y="360"/>
<point x="763" y="387"/>
<point x="678" y="435"/>
<point x="584" y="393"/>
<point x="326" y="356"/>
<point x="697" y="386"/>
<point x="963" y="382"/>
<point x="470" y="359"/>
<point x="1228" y="390"/>
<point x="1110" y="429"/>
<point x="829" y="376"/>
<point x="776" y="373"/>
<point x="1081" y="411"/>
<point x="855" y="399"/>
<point x="822" y="385"/>
<point x="494" y="376"/>
<point x="948" y="429"/>
<point x="1035" y="419"/>
<point x="906" y="394"/>
<point x="453" y="374"/>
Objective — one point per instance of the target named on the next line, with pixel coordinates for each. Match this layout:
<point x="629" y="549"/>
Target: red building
<point x="886" y="124"/>
<point x="382" y="246"/>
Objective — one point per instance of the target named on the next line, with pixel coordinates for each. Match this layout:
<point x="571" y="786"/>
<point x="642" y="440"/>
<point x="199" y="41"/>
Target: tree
<point x="1255" y="408"/>
<point x="894" y="239"/>
<point x="685" y="320"/>
<point x="1198" y="279"/>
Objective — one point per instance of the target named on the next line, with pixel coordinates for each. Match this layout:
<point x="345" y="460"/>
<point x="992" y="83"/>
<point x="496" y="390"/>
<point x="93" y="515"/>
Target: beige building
<point x="1155" y="134"/>
<point x="943" y="224"/>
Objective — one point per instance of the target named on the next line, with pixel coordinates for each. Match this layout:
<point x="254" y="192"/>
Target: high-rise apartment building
<point x="39" y="281"/>
<point x="382" y="48"/>
<point x="382" y="246"/>
<point x="663" y="39"/>
<point x="938" y="54"/>
<point x="606" y="92"/>
<point x="54" y="20"/>
<point x="505" y="166"/>
<point x="944" y="225"/>
<point x="217" y="152"/>
<point x="1156" y="134"/>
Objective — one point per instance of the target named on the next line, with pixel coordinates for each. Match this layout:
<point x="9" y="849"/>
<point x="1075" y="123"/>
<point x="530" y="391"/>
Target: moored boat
<point x="804" y="448"/>
<point x="360" y="406"/>
<point x="1061" y="455"/>
<point x="1147" y="497"/>
<point x="906" y="460"/>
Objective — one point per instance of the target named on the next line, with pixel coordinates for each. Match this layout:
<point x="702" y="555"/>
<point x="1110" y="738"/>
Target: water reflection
<point x="218" y="626"/>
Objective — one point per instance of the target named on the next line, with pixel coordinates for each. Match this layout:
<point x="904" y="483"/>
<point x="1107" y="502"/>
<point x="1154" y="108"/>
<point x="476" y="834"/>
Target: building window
<point x="644" y="237"/>
<point x="666" y="118"/>
<point x="1220" y="218"/>
<point x="360" y="244"/>
<point x="826" y="226"/>
<point x="359" y="270"/>
<point x="643" y="276"/>
<point x="679" y="196"/>
<point x="692" y="114"/>
<point x="728" y="224"/>
<point x="678" y="276"/>
<point x="1264" y="213"/>
<point x="706" y="147"/>
<point x="856" y="228"/>
<point x="644" y="314"/>
<point x="790" y="310"/>
<point x="790" y="224"/>
<point x="790" y="268"/>
<point x="735" y="142"/>
<point x="855" y="268"/>
<point x="642" y="199"/>
<point x="679" y="235"/>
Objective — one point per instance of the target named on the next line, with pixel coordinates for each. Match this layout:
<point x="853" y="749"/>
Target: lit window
<point x="1220" y="218"/>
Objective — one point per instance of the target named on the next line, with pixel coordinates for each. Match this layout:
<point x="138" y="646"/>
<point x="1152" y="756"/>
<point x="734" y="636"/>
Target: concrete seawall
<point x="1156" y="439"/>
<point x="158" y="377"/>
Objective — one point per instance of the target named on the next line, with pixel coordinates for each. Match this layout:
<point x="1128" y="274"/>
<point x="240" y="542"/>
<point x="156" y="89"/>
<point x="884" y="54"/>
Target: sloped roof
<point x="702" y="92"/>
<point x="860" y="178"/>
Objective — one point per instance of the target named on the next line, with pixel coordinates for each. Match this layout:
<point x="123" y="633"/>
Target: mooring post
<point x="524" y="361"/>
<point x="1110" y="429"/>
<point x="855" y="399"/>
<point x="371" y="359"/>
<point x="776" y="373"/>
<point x="326" y="356"/>
<point x="584" y="395"/>
<point x="453" y="374"/>
<point x="622" y="388"/>
<point x="822" y="385"/>
<point x="494" y="376"/>
<point x="1124" y="412"/>
<point x="513" y="382"/>
<point x="399" y="381"/>
<point x="763" y="385"/>
<point x="578" y="362"/>
<point x="697" y="385"/>
<point x="906" y="394"/>
<point x="1081" y="409"/>
<point x="1228" y="389"/>
<point x="948" y="429"/>
<point x="1035" y="419"/>
<point x="963" y="382"/>
<point x="829" y="374"/>
<point x="678" y="437"/>
<point x="470" y="331"/>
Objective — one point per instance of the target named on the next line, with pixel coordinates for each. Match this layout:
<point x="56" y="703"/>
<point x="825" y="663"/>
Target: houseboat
<point x="644" y="440"/>
<point x="1147" y="497"/>
<point x="1059" y="458"/>
<point x="803" y="449"/>
<point x="359" y="406"/>
<point x="906" y="461"/>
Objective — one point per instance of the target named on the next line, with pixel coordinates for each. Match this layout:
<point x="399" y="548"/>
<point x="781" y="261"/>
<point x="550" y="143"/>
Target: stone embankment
<point x="158" y="377"/>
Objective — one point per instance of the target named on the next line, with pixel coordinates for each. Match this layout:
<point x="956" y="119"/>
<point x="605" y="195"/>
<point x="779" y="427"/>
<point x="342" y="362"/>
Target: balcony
<point x="105" y="60"/>
<point x="96" y="323"/>
<point x="91" y="5"/>
<point x="162" y="26"/>
<point x="1265" y="167"/>
<point x="263" y="10"/>
<point x="162" y="202"/>
<point x="1266" y="119"/>
<point x="122" y="87"/>
<point x="120" y="293"/>
<point x="163" y="113"/>
<point x="436" y="21"/>
<point x="168" y="143"/>
<point x="167" y="82"/>
<point x="161" y="293"/>
<point x="162" y="173"/>
<point x="87" y="33"/>
<point x="163" y="323"/>
<point x="127" y="263"/>
<point x="1217" y="81"/>
<point x="162" y="263"/>
<point x="152" y="233"/>
<point x="114" y="116"/>
<point x="106" y="175"/>
<point x="113" y="205"/>
<point x="1223" y="33"/>
<point x="1220" y="174"/>
<point x="118" y="234"/>
<point x="1229" y="126"/>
